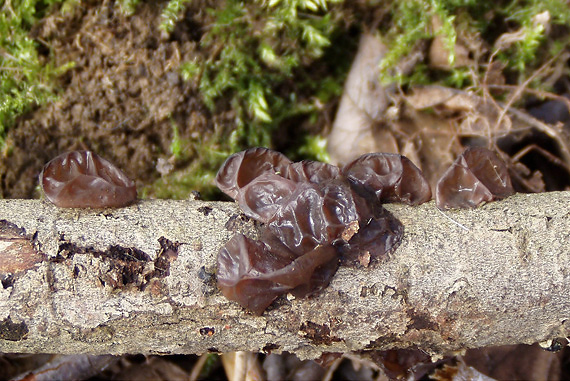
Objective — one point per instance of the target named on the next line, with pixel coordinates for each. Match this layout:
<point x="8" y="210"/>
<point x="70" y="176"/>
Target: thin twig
<point x="518" y="92"/>
<point x="197" y="368"/>
<point x="538" y="93"/>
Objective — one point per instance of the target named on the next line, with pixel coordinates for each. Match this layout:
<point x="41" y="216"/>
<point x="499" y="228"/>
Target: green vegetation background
<point x="263" y="44"/>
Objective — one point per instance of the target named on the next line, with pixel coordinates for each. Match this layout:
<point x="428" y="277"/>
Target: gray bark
<point x="141" y="279"/>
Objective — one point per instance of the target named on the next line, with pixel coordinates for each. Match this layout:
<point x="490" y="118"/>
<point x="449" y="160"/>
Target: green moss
<point x="128" y="7"/>
<point x="260" y="46"/>
<point x="258" y="53"/>
<point x="26" y="80"/>
<point x="170" y="14"/>
<point x="411" y="23"/>
<point x="176" y="146"/>
<point x="315" y="148"/>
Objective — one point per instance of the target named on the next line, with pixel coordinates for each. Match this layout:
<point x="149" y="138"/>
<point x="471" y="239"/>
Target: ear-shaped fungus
<point x="262" y="197"/>
<point x="391" y="177"/>
<point x="373" y="241"/>
<point x="476" y="176"/>
<point x="82" y="179"/>
<point x="254" y="276"/>
<point x="314" y="215"/>
<point x="243" y="265"/>
<point x="241" y="168"/>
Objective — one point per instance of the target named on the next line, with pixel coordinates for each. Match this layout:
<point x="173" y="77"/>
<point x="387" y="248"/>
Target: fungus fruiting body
<point x="82" y="179"/>
<point x="476" y="176"/>
<point x="242" y="167"/>
<point x="392" y="178"/>
<point x="315" y="216"/>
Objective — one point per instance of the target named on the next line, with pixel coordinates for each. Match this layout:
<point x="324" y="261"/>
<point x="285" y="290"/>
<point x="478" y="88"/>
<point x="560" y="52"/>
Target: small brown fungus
<point x="391" y="177"/>
<point x="315" y="216"/>
<point x="243" y="268"/>
<point x="241" y="168"/>
<point x="82" y="179"/>
<point x="476" y="176"/>
<point x="311" y="171"/>
<point x="378" y="237"/>
<point x="262" y="197"/>
<point x="252" y="275"/>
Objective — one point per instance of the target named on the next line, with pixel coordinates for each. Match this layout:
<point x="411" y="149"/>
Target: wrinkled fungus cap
<point x="241" y="168"/>
<point x="252" y="275"/>
<point x="391" y="177"/>
<point x="82" y="179"/>
<point x="315" y="216"/>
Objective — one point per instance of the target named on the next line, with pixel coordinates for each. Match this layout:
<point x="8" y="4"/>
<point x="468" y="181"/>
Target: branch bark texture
<point x="141" y="279"/>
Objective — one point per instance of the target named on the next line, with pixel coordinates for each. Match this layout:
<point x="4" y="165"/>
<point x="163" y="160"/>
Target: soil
<point x="121" y="99"/>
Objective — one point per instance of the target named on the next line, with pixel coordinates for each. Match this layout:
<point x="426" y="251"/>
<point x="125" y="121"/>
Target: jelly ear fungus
<point x="241" y="168"/>
<point x="82" y="179"/>
<point x="476" y="176"/>
<point x="391" y="177"/>
<point x="315" y="216"/>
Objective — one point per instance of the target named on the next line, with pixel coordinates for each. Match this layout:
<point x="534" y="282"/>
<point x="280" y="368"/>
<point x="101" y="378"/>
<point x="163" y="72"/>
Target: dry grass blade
<point x="73" y="367"/>
<point x="538" y="93"/>
<point x="197" y="369"/>
<point x="242" y="366"/>
<point x="550" y="131"/>
<point x="520" y="90"/>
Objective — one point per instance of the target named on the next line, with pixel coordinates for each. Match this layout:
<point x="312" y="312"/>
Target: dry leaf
<point x="357" y="128"/>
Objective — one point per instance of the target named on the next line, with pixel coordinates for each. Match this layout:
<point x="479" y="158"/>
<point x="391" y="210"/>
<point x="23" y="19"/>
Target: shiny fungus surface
<point x="82" y="179"/>
<point x="262" y="197"/>
<point x="391" y="177"/>
<point x="241" y="168"/>
<point x="311" y="171"/>
<point x="315" y="216"/>
<point x="252" y="275"/>
<point x="478" y="175"/>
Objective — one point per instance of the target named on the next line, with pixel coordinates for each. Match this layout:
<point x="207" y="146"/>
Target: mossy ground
<point x="168" y="89"/>
<point x="167" y="96"/>
<point x="169" y="101"/>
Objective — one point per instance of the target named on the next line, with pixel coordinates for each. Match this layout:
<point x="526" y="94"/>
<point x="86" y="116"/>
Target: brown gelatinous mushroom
<point x="263" y="196"/>
<point x="391" y="177"/>
<point x="373" y="241"/>
<point x="242" y="264"/>
<point x="254" y="276"/>
<point x="241" y="168"/>
<point x="82" y="179"/>
<point x="312" y="171"/>
<point x="476" y="176"/>
<point x="315" y="216"/>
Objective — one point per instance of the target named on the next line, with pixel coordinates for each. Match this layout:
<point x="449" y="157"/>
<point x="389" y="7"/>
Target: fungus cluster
<point x="314" y="216"/>
<point x="82" y="179"/>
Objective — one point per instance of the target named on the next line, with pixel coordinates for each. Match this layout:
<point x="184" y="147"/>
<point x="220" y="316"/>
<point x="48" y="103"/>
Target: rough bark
<point x="142" y="280"/>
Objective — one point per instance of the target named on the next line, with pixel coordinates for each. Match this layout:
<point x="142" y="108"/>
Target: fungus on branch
<point x="315" y="214"/>
<point x="82" y="179"/>
<point x="476" y="176"/>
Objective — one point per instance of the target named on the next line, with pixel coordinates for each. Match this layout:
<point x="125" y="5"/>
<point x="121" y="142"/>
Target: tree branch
<point x="141" y="280"/>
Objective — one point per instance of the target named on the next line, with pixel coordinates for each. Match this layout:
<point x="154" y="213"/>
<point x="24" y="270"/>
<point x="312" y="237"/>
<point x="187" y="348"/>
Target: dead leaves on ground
<point x="433" y="124"/>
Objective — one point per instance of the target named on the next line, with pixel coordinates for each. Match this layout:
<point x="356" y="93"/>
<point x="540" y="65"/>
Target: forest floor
<point x="126" y="99"/>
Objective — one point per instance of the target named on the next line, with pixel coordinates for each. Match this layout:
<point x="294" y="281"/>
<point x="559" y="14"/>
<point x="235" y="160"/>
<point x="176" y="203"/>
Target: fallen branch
<point x="142" y="280"/>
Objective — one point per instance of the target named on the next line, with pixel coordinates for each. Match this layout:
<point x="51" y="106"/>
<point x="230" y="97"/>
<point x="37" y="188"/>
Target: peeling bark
<point x="141" y="279"/>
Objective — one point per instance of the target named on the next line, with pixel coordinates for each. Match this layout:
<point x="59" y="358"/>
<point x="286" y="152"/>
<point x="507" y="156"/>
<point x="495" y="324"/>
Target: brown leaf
<point x="358" y="128"/>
